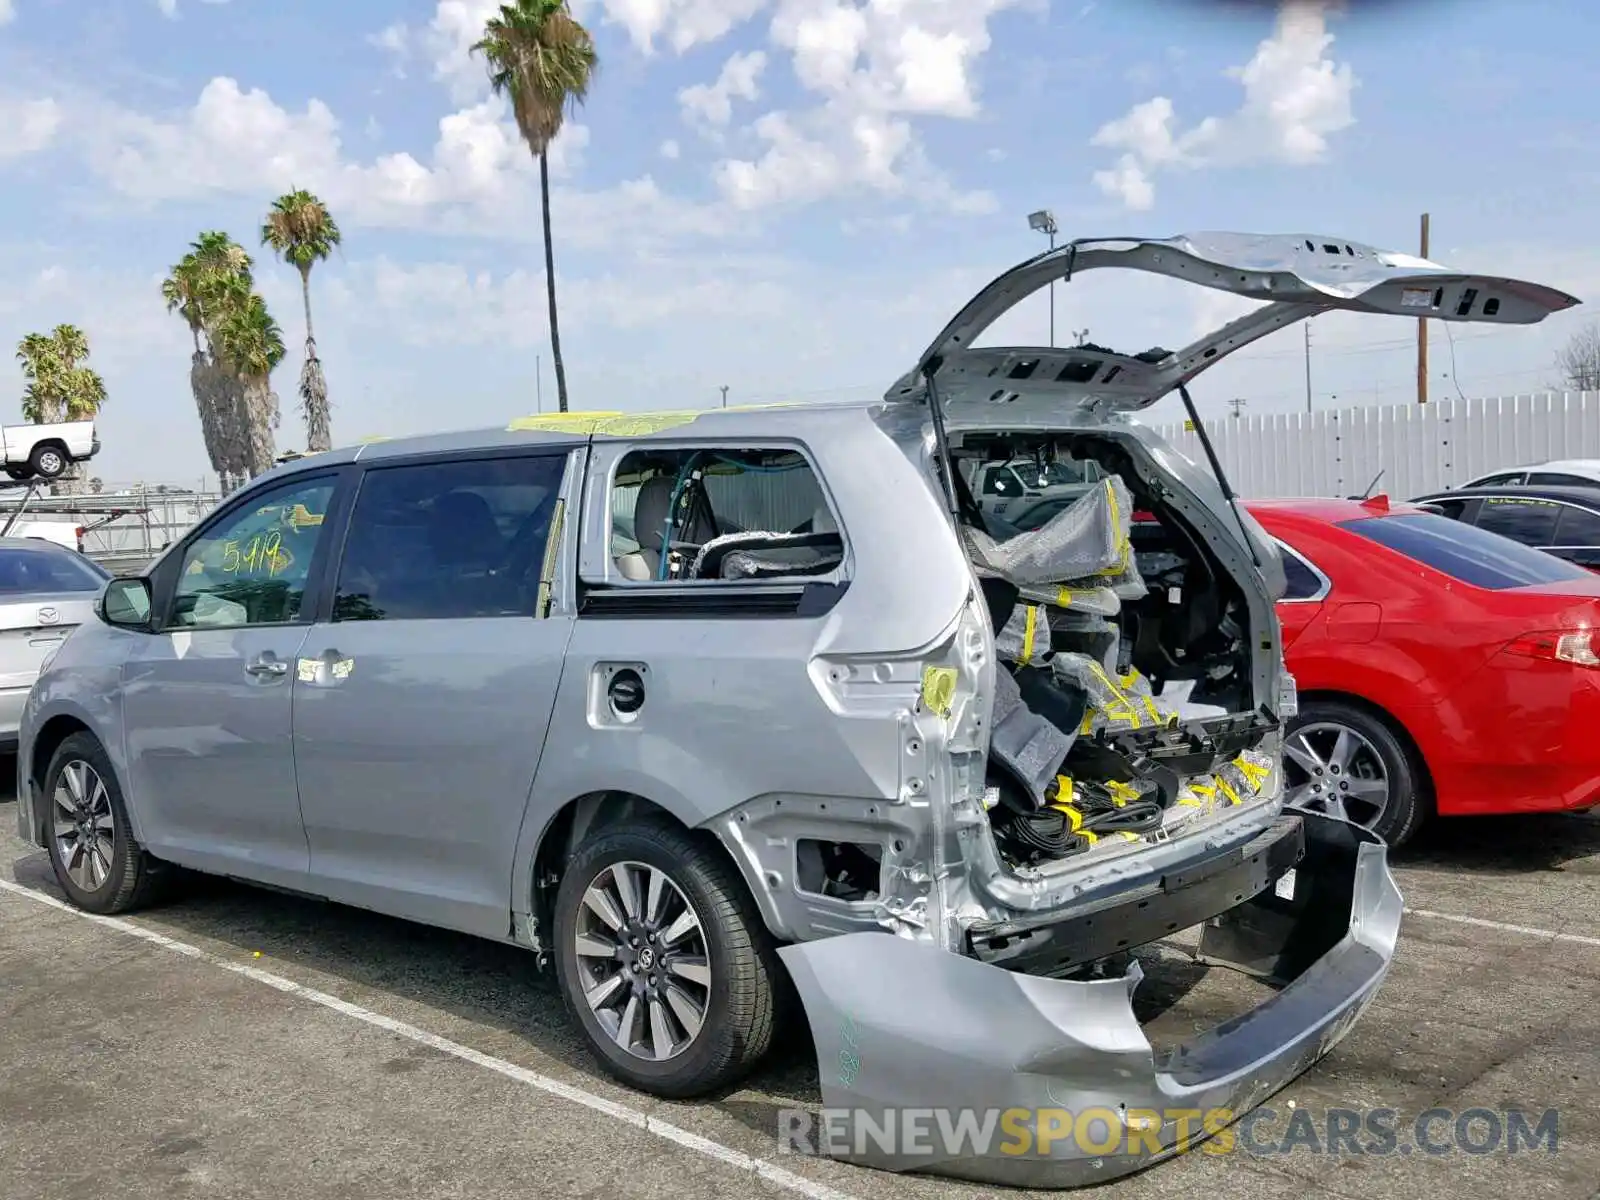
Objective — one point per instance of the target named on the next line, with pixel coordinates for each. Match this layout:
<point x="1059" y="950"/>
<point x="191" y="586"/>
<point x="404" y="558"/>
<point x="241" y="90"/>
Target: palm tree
<point x="212" y="288"/>
<point x="544" y="60"/>
<point x="302" y="232"/>
<point x="250" y="344"/>
<point x="60" y="385"/>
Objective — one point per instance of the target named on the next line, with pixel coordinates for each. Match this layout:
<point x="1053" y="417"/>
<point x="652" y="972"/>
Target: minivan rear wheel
<point x="1341" y="760"/>
<point x="663" y="960"/>
<point x="92" y="851"/>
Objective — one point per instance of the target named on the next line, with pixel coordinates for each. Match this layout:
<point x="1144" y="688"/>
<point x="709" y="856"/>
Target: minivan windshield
<point x="1472" y="555"/>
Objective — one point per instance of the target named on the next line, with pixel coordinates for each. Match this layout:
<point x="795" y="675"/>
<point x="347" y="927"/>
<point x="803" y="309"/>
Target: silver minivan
<point x="717" y="710"/>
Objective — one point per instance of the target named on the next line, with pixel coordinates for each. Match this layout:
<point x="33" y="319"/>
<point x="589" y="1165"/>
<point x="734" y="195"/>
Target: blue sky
<point x="785" y="197"/>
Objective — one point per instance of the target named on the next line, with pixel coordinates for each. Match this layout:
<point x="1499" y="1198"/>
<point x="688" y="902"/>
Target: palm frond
<point x="541" y="57"/>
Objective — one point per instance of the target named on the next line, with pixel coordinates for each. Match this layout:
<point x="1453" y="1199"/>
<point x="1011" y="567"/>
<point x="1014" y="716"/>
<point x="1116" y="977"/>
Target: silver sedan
<point x="46" y="591"/>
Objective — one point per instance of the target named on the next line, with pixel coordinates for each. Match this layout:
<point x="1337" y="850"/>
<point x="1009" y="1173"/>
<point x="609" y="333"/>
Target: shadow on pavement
<point x="1508" y="845"/>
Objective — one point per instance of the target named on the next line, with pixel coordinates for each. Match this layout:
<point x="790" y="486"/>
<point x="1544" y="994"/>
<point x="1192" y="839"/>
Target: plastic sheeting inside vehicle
<point x="1086" y="544"/>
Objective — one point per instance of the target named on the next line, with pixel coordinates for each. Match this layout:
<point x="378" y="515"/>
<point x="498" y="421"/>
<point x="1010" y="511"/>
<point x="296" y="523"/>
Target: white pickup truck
<point x="45" y="451"/>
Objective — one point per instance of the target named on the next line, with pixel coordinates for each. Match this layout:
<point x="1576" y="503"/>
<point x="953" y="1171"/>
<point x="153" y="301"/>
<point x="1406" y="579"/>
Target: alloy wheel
<point x="643" y="960"/>
<point x="85" y="829"/>
<point x="1334" y="769"/>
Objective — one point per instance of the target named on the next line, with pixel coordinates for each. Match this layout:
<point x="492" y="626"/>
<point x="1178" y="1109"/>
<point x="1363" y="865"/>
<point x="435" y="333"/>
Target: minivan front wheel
<point x="92" y="851"/>
<point x="1341" y="760"/>
<point x="663" y="960"/>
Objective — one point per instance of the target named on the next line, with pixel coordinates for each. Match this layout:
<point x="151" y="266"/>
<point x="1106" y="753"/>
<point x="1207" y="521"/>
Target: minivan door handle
<point x="265" y="665"/>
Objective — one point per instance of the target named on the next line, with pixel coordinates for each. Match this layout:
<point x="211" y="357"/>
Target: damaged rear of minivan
<point x="1096" y="750"/>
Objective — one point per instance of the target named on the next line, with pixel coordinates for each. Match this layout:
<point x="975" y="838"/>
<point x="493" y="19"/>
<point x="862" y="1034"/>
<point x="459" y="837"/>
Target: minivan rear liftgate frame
<point x="924" y="1044"/>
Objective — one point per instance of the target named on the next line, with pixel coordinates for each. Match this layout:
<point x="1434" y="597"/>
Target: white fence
<point x="1419" y="447"/>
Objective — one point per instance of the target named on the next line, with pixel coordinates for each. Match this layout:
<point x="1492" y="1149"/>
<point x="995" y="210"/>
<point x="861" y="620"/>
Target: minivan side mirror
<point x="126" y="604"/>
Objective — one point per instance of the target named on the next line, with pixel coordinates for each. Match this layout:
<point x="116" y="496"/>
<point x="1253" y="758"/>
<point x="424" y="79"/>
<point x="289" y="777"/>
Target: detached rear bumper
<point x="937" y="1062"/>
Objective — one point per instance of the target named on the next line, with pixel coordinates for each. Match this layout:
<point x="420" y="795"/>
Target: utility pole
<point x="1237" y="404"/>
<point x="1044" y="221"/>
<point x="1422" y="333"/>
<point x="1081" y="334"/>
<point x="538" y="383"/>
<point x="724" y="395"/>
<point x="1307" y="328"/>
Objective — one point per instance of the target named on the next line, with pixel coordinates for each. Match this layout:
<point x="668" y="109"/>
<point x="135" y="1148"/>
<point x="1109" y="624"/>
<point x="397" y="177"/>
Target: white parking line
<point x="762" y="1168"/>
<point x="1504" y="927"/>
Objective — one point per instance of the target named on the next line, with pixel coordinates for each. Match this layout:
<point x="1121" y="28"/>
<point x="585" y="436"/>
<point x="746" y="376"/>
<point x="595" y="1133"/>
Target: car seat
<point x="650" y="512"/>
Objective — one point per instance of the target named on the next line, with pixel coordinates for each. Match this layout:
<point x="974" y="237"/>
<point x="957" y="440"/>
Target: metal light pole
<point x="724" y="395"/>
<point x="1044" y="221"/>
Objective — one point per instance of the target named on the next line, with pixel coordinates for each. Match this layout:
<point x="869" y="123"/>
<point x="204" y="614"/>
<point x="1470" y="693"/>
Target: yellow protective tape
<point x="1129" y="835"/>
<point x="614" y="423"/>
<point x="939" y="689"/>
<point x="1091" y="838"/>
<point x="1255" y="774"/>
<point x="1074" y="817"/>
<point x="1030" y="629"/>
<point x="1123" y="545"/>
<point x="1227" y="790"/>
<point x="1121" y="792"/>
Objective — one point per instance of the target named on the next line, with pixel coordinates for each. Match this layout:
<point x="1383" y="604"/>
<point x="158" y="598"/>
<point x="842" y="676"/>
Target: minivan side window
<point x="729" y="514"/>
<point x="251" y="568"/>
<point x="455" y="539"/>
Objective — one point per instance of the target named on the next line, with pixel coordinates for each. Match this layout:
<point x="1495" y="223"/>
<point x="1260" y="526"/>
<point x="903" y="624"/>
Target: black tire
<point x="48" y="461"/>
<point x="19" y="472"/>
<point x="130" y="878"/>
<point x="744" y="968"/>
<point x="1406" y="806"/>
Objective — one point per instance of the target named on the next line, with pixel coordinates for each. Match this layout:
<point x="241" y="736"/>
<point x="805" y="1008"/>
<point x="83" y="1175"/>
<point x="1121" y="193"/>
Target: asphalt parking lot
<point x="244" y="1043"/>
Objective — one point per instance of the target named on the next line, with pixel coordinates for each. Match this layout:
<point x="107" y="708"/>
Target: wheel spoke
<point x="655" y="895"/>
<point x="72" y="776"/>
<point x="1299" y="750"/>
<point x="64" y="801"/>
<point x="601" y="904"/>
<point x="1369" y="791"/>
<point x="695" y="970"/>
<point x="99" y="801"/>
<point x="660" y="1031"/>
<point x="103" y="823"/>
<point x="1344" y="749"/>
<point x="627" y="889"/>
<point x="630" y="1017"/>
<point x="686" y="924"/>
<point x="78" y="867"/>
<point x="684" y="1006"/>
<point x="99" y="865"/>
<point x="590" y="946"/>
<point x="603" y="991"/>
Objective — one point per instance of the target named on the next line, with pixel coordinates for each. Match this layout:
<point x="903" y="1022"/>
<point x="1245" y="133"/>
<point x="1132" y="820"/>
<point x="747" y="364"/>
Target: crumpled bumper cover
<point x="909" y="1035"/>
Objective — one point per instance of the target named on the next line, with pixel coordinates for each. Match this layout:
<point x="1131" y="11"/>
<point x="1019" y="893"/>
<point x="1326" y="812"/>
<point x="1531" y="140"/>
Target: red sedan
<point x="1441" y="668"/>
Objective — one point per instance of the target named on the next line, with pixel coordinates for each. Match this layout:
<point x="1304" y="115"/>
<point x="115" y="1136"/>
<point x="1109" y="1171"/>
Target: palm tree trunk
<point x="550" y="282"/>
<point x="313" y="386"/>
<point x="305" y="291"/>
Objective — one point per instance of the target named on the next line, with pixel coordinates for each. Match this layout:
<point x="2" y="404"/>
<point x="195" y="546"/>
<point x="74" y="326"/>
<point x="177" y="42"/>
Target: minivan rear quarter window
<point x="1465" y="552"/>
<point x="731" y="514"/>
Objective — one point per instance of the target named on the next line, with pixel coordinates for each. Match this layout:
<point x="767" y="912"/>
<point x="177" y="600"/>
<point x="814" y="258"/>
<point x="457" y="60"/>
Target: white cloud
<point x="875" y="68"/>
<point x="670" y="149"/>
<point x="1295" y="98"/>
<point x="681" y="24"/>
<point x="169" y="8"/>
<point x="27" y="126"/>
<point x="8" y="12"/>
<point x="479" y="179"/>
<point x="712" y="103"/>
